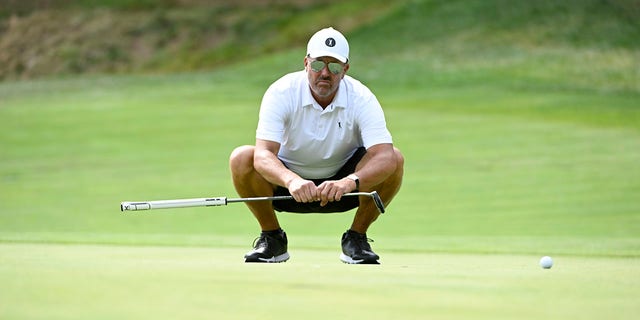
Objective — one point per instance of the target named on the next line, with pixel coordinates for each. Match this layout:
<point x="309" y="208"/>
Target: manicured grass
<point x="495" y="178"/>
<point x="486" y="195"/>
<point x="517" y="145"/>
<point x="77" y="148"/>
<point x="77" y="282"/>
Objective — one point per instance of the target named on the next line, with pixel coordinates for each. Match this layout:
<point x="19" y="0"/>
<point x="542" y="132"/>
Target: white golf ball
<point x="546" y="262"/>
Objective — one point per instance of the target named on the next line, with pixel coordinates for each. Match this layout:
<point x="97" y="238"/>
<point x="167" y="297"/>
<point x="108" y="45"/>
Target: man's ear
<point x="346" y="68"/>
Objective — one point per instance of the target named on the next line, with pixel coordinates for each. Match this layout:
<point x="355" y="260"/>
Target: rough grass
<point x="141" y="36"/>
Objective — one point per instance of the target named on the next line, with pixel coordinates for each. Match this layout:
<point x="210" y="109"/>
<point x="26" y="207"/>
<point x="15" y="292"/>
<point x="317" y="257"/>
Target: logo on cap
<point x="330" y="42"/>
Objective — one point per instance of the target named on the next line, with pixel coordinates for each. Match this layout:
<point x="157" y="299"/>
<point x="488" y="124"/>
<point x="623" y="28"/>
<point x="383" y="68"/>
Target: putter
<point x="223" y="201"/>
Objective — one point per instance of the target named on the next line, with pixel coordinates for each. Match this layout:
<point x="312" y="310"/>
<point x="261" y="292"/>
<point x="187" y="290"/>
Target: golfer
<point x="320" y="134"/>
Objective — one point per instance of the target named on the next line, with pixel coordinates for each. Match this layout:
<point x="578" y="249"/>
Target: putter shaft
<point x="223" y="201"/>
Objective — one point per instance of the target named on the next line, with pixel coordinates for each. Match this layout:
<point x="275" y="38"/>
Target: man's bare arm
<point x="375" y="167"/>
<point x="266" y="162"/>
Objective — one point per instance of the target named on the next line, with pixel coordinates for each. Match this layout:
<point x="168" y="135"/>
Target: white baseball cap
<point x="328" y="42"/>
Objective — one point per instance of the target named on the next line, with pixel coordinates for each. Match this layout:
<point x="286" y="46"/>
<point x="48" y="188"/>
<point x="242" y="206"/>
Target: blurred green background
<point x="519" y="121"/>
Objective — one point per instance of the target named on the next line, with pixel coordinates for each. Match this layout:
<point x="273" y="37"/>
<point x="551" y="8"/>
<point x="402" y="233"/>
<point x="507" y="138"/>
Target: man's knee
<point x="399" y="159"/>
<point x="241" y="158"/>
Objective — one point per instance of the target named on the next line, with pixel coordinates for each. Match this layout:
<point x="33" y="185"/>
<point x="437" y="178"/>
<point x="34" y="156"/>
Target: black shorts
<point x="345" y="204"/>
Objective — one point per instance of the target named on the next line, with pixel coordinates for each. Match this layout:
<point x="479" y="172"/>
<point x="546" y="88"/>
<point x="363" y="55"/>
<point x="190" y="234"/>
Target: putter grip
<point x="166" y="204"/>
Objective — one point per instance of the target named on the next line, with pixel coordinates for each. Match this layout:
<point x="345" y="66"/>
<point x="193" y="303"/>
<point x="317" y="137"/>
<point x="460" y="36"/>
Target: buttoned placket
<point x="320" y="121"/>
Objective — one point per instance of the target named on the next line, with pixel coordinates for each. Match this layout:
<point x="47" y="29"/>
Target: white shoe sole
<point x="276" y="259"/>
<point x="346" y="259"/>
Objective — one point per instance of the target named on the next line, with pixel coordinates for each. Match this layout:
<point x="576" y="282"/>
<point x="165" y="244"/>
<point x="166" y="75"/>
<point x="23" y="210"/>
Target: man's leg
<point x="367" y="212"/>
<point x="355" y="244"/>
<point x="249" y="183"/>
<point x="271" y="246"/>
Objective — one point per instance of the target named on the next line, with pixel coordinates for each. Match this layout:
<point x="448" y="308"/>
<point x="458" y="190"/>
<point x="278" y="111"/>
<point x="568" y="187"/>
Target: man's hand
<point x="303" y="190"/>
<point x="333" y="190"/>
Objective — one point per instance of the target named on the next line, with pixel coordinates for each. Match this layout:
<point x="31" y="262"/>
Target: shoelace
<point x="263" y="240"/>
<point x="260" y="241"/>
<point x="362" y="241"/>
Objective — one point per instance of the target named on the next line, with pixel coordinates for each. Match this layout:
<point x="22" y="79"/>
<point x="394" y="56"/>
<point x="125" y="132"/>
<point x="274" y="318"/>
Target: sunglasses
<point x="334" y="67"/>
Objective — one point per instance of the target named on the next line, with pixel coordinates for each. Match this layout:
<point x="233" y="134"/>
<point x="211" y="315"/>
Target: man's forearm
<point x="272" y="169"/>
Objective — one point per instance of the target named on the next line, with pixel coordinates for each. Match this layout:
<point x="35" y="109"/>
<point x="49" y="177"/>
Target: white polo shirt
<point x="316" y="143"/>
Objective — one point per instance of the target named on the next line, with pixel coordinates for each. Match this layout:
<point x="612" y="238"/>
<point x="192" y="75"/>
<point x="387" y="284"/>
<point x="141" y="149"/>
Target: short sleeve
<point x="373" y="126"/>
<point x="272" y="117"/>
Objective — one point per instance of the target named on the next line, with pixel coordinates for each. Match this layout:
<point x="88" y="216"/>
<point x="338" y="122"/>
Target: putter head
<point x="377" y="201"/>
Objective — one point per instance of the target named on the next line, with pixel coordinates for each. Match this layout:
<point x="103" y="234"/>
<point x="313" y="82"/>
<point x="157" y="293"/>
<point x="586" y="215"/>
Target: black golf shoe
<point x="269" y="247"/>
<point x="356" y="249"/>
